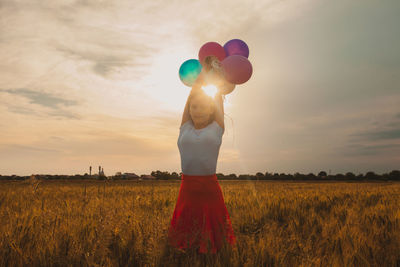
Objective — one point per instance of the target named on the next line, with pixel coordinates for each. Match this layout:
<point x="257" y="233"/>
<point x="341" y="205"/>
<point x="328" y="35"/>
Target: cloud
<point x="42" y="98"/>
<point x="104" y="62"/>
<point x="9" y="149"/>
<point x="371" y="150"/>
<point x="79" y="32"/>
<point x="383" y="129"/>
<point x="225" y="20"/>
<point x="379" y="137"/>
<point x="381" y="134"/>
<point x="54" y="103"/>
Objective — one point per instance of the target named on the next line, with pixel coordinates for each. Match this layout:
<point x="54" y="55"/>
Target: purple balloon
<point x="236" y="47"/>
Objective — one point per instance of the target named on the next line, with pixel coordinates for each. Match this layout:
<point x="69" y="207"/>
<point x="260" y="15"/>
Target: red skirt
<point x="200" y="219"/>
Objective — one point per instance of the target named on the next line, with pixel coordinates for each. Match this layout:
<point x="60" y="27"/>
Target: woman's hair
<point x="212" y="63"/>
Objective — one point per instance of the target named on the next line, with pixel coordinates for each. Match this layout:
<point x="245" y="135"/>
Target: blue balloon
<point x="189" y="71"/>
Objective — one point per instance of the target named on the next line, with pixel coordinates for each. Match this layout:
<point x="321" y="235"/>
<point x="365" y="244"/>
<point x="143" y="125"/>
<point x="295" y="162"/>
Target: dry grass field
<point x="121" y="223"/>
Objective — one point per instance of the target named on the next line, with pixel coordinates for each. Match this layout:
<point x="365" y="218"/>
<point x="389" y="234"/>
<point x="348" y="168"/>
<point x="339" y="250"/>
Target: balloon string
<point x="233" y="127"/>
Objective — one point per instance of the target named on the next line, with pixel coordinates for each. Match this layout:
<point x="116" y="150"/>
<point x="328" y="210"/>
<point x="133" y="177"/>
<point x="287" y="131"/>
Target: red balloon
<point x="211" y="49"/>
<point x="237" y="69"/>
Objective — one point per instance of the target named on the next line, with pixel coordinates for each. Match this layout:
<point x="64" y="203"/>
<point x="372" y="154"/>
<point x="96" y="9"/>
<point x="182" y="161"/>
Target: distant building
<point x="147" y="177"/>
<point x="128" y="175"/>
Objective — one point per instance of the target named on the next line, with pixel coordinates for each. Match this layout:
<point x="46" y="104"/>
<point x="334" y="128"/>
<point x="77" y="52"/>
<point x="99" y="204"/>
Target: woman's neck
<point x="200" y="125"/>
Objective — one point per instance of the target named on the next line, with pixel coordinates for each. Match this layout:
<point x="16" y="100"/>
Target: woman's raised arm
<point x="186" y="115"/>
<point x="196" y="86"/>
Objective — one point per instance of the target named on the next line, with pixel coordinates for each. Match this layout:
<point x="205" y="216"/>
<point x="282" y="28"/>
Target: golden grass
<point x="120" y="223"/>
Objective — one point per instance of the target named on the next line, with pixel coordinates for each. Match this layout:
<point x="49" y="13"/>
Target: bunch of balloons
<point x="233" y="57"/>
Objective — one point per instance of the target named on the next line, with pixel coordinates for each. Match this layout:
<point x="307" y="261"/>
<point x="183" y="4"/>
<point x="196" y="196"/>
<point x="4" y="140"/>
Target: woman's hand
<point x="219" y="91"/>
<point x="198" y="83"/>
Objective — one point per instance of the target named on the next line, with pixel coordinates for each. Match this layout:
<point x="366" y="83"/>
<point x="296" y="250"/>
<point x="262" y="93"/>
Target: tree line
<point x="165" y="175"/>
<point x="322" y="175"/>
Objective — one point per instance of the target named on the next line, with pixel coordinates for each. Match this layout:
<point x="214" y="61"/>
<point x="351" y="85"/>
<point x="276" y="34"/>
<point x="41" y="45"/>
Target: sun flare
<point x="210" y="90"/>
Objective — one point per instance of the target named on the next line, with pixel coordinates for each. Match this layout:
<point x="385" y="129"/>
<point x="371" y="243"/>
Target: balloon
<point x="237" y="69"/>
<point x="189" y="71"/>
<point x="211" y="49"/>
<point x="236" y="47"/>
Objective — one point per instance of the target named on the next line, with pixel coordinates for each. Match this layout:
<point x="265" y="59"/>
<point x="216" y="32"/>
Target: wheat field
<point x="125" y="223"/>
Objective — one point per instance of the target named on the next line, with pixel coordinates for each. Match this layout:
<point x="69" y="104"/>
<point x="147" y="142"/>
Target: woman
<point x="200" y="219"/>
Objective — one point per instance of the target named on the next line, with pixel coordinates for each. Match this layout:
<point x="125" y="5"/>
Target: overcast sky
<point x="89" y="83"/>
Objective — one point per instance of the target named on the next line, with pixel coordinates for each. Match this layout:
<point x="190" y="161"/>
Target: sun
<point x="210" y="90"/>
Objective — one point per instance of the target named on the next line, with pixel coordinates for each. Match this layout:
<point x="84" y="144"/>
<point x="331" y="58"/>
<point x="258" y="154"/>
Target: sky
<point x="95" y="83"/>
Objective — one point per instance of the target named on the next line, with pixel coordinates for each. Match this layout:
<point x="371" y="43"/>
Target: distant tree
<point x="220" y="176"/>
<point x="259" y="176"/>
<point x="275" y="176"/>
<point x="395" y="175"/>
<point x="175" y="175"/>
<point x="311" y="176"/>
<point x="339" y="176"/>
<point x="165" y="175"/>
<point x="268" y="175"/>
<point x="298" y="176"/>
<point x="243" y="176"/>
<point x="350" y="175"/>
<point x="322" y="174"/>
<point x="385" y="177"/>
<point x="283" y="176"/>
<point x="232" y="176"/>
<point x="330" y="177"/>
<point x="156" y="174"/>
<point x="371" y="175"/>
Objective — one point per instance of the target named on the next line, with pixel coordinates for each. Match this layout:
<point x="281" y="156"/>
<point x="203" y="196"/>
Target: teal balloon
<point x="189" y="71"/>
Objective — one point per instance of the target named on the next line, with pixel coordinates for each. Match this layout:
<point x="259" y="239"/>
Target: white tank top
<point x="199" y="148"/>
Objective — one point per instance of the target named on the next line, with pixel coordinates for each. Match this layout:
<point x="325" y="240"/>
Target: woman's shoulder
<point x="218" y="124"/>
<point x="186" y="124"/>
<point x="220" y="129"/>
